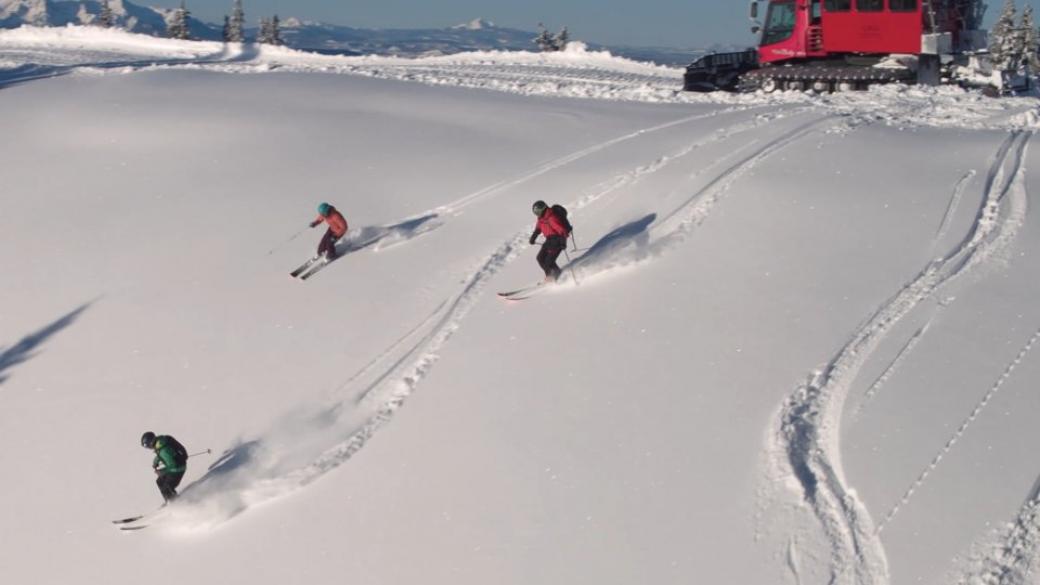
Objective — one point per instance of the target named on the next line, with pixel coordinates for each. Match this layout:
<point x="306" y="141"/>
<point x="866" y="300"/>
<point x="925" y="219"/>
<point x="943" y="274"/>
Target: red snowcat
<point x="828" y="45"/>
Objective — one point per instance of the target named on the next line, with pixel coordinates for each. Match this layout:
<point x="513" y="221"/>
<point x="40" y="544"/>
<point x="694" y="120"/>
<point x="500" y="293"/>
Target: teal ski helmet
<point x="323" y="209"/>
<point x="539" y="208"/>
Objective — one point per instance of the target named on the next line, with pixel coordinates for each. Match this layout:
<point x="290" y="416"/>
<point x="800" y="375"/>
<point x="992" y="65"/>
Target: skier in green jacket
<point x="170" y="463"/>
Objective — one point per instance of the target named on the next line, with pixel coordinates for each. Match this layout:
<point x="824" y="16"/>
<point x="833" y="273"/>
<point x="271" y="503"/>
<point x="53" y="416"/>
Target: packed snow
<point x="795" y="340"/>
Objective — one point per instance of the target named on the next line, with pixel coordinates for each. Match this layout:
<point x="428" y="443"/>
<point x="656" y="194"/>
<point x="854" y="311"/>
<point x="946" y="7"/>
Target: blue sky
<point x="678" y="23"/>
<point x="671" y="23"/>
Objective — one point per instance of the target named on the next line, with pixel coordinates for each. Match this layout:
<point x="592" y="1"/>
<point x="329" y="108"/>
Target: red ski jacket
<point x="550" y="225"/>
<point x="337" y="224"/>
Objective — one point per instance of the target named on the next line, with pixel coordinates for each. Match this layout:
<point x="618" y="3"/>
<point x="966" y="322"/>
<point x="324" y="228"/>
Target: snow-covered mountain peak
<point x="475" y="24"/>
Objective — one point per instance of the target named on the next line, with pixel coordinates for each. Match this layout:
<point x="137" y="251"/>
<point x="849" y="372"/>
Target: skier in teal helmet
<point x="337" y="229"/>
<point x="170" y="463"/>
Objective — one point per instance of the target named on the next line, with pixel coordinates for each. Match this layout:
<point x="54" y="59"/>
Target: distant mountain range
<point x="476" y="35"/>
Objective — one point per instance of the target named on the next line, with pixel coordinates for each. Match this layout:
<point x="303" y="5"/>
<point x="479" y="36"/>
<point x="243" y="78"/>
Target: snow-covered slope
<point x="794" y="343"/>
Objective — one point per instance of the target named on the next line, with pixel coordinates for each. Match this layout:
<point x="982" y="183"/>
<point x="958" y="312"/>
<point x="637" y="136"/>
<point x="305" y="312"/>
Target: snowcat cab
<point x="826" y="45"/>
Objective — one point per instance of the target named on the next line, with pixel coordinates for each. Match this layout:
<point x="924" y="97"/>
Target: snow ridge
<point x="576" y="72"/>
<point x="804" y="444"/>
<point x="1015" y="557"/>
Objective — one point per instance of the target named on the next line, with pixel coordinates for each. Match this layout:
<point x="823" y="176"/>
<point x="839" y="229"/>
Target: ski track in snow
<point x="958" y="192"/>
<point x="804" y="444"/>
<point x="651" y="237"/>
<point x="457" y="205"/>
<point x="990" y="393"/>
<point x="305" y="445"/>
<point x="1014" y="556"/>
<point x="892" y="367"/>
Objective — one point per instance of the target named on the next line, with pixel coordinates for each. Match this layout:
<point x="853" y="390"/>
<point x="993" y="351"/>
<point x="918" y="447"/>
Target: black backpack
<point x="180" y="453"/>
<point x="561" y="213"/>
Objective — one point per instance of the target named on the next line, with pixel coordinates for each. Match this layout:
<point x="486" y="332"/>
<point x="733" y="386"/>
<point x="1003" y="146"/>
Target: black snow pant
<point x="327" y="246"/>
<point x="168" y="483"/>
<point x="551" y="249"/>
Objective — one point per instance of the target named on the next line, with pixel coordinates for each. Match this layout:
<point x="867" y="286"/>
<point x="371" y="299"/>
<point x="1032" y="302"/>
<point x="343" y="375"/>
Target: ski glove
<point x="314" y="223"/>
<point x="534" y="237"/>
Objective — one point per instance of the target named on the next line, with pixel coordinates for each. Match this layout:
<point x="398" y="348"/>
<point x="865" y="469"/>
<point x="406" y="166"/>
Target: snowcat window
<point x="902" y="5"/>
<point x="870" y="5"/>
<point x="779" y="22"/>
<point x="838" y="5"/>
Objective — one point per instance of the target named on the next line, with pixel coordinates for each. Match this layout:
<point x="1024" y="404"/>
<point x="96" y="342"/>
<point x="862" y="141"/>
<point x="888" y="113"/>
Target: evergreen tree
<point x="225" y="33"/>
<point x="1030" y="42"/>
<point x="263" y="36"/>
<point x="177" y="27"/>
<point x="276" y="31"/>
<point x="544" y="40"/>
<point x="1003" y="38"/>
<point x="237" y="25"/>
<point x="106" y="18"/>
<point x="562" y="38"/>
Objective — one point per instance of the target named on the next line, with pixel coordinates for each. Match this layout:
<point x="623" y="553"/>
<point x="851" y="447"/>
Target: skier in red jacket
<point x="555" y="229"/>
<point x="337" y="229"/>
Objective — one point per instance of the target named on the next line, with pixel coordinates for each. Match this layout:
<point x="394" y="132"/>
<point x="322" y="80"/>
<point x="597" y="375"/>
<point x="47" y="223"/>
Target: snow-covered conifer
<point x="237" y="24"/>
<point x="1003" y="38"/>
<point x="545" y="40"/>
<point x="276" y="31"/>
<point x="562" y="38"/>
<point x="1030" y="42"/>
<point x="177" y="26"/>
<point x="106" y="18"/>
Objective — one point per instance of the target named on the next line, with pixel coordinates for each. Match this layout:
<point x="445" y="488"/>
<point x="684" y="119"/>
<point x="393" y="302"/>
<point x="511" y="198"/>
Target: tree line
<point x="177" y="26"/>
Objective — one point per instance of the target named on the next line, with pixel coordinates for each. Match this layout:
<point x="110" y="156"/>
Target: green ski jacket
<point x="166" y="454"/>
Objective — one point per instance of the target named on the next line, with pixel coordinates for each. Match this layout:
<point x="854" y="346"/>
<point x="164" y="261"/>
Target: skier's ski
<point x="135" y="527"/>
<point x="304" y="267"/>
<point x="135" y="522"/>
<point x="129" y="520"/>
<point x="314" y="270"/>
<point x="142" y="520"/>
<point x="522" y="293"/>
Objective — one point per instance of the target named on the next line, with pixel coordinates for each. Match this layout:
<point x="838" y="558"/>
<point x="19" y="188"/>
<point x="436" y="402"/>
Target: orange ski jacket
<point x="336" y="222"/>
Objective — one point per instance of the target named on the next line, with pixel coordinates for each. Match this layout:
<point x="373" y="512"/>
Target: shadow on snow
<point x="623" y="245"/>
<point x="386" y="236"/>
<point x="24" y="349"/>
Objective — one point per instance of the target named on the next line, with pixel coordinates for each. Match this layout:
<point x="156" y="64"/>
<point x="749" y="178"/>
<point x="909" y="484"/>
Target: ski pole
<point x="206" y="452"/>
<point x="574" y="241"/>
<point x="570" y="267"/>
<point x="291" y="238"/>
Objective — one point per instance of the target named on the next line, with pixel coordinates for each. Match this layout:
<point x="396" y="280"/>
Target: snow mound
<point x="575" y="72"/>
<point x="71" y="38"/>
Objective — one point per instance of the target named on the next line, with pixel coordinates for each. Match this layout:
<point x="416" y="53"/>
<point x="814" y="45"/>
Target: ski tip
<point x="127" y="520"/>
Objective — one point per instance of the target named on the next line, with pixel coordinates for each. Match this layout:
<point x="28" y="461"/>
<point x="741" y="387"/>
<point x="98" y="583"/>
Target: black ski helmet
<point x="148" y="440"/>
<point x="539" y="207"/>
